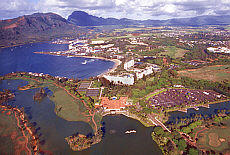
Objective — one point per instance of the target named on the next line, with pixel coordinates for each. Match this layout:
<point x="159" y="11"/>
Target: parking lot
<point x="174" y="97"/>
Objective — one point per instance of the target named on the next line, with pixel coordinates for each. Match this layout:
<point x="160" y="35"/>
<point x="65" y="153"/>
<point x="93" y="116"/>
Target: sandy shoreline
<point x="116" y="61"/>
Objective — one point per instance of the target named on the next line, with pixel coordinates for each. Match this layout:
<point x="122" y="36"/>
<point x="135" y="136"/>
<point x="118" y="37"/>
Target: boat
<point x="69" y="56"/>
<point x="85" y="62"/>
<point x="91" y="60"/>
<point x="130" y="131"/>
<point x="196" y="108"/>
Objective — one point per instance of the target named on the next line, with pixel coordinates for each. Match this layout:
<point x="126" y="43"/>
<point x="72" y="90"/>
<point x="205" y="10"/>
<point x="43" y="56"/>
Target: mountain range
<point x="34" y="28"/>
<point x="46" y="26"/>
<point x="84" y="19"/>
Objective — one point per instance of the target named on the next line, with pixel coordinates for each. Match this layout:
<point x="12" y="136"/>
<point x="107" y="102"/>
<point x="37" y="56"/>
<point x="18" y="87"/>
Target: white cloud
<point x="135" y="9"/>
<point x="15" y="8"/>
<point x="169" y="8"/>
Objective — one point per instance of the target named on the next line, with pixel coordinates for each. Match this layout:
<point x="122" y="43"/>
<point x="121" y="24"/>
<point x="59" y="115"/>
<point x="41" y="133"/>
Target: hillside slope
<point x="84" y="19"/>
<point x="33" y="28"/>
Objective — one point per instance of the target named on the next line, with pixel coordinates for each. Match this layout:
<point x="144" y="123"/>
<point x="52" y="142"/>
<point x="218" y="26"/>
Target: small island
<point x="80" y="142"/>
<point x="40" y="95"/>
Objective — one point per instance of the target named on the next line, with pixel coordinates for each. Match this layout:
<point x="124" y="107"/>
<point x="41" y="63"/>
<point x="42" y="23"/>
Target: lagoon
<point x="52" y="129"/>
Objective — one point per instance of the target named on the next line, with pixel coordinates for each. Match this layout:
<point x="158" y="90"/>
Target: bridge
<point x="155" y="121"/>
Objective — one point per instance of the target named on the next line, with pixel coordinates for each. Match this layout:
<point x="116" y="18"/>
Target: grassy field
<point x="68" y="108"/>
<point x="212" y="73"/>
<point x="154" y="93"/>
<point x="173" y="52"/>
<point x="135" y="29"/>
<point x="216" y="138"/>
<point x="128" y="29"/>
<point x="110" y="38"/>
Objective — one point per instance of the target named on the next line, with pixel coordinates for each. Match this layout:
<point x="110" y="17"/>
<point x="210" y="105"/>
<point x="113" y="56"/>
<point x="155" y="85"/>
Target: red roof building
<point x="114" y="104"/>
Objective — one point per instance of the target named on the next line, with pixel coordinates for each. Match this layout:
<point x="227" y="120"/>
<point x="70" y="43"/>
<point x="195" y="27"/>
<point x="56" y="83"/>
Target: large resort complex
<point x="157" y="71"/>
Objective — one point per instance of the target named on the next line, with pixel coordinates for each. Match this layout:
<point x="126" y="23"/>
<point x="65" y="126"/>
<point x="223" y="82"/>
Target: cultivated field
<point x="212" y="73"/>
<point x="216" y="138"/>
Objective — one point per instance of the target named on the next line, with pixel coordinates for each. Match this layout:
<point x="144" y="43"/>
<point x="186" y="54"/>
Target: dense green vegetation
<point x="174" y="142"/>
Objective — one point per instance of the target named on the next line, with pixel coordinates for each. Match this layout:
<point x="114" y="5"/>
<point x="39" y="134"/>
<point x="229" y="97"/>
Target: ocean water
<point x="23" y="58"/>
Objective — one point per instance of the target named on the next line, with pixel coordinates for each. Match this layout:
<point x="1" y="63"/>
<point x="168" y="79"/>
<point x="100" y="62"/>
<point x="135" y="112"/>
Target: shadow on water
<point x="34" y="124"/>
<point x="203" y="112"/>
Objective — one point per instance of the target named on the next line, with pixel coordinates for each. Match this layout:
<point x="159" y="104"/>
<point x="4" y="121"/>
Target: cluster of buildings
<point x="83" y="47"/>
<point x="186" y="36"/>
<point x="219" y="50"/>
<point x="138" y="41"/>
<point x="192" y="43"/>
<point x="80" y="47"/>
<point x="132" y="73"/>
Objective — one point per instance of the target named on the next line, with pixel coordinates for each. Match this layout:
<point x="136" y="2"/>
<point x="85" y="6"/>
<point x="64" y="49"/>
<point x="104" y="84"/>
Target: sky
<point x="132" y="9"/>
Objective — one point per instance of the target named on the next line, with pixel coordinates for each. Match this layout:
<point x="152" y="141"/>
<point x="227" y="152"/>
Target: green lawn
<point x="154" y="93"/>
<point x="173" y="52"/>
<point x="68" y="108"/>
